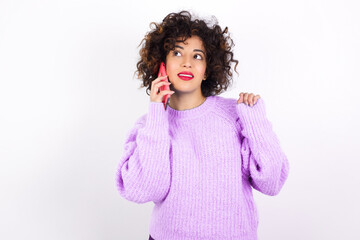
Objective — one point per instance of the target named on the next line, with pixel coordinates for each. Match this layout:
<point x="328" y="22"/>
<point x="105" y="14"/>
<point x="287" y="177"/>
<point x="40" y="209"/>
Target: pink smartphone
<point x="162" y="72"/>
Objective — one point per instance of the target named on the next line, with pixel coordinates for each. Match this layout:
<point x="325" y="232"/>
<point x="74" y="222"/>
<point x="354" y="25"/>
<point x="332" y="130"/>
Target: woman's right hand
<point x="155" y="85"/>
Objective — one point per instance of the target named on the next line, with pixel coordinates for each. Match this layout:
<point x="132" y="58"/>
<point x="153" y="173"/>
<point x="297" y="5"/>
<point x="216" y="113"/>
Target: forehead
<point x="192" y="42"/>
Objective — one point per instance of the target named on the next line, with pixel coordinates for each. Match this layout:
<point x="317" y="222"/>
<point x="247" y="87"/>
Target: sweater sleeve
<point x="263" y="161"/>
<point x="144" y="170"/>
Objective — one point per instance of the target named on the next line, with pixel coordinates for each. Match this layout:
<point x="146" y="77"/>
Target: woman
<point x="198" y="160"/>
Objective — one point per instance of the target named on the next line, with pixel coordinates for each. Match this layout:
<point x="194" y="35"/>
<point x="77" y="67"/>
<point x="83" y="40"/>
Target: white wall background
<point x="68" y="98"/>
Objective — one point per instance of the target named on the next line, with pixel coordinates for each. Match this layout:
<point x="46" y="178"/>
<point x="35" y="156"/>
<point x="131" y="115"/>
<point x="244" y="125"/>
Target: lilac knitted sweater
<point x="199" y="166"/>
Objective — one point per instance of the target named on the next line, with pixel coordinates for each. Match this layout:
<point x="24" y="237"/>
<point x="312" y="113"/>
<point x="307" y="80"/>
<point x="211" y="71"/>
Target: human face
<point x="187" y="57"/>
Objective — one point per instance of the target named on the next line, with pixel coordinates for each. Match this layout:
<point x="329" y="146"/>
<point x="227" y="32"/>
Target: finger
<point x="166" y="92"/>
<point x="158" y="79"/>
<point x="256" y="98"/>
<point x="241" y="97"/>
<point x="162" y="83"/>
<point x="158" y="85"/>
<point x="246" y="96"/>
<point x="250" y="99"/>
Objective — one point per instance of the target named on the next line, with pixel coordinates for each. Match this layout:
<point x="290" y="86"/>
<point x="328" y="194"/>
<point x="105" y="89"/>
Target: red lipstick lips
<point x="186" y="76"/>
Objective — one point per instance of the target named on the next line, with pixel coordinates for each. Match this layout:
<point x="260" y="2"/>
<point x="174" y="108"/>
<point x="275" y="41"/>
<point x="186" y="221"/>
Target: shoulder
<point x="226" y="108"/>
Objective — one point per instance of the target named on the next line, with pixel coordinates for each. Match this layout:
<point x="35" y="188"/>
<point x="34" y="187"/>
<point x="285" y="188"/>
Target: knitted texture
<point x="199" y="166"/>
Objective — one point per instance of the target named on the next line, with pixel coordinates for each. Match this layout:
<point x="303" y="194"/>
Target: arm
<point x="144" y="170"/>
<point x="263" y="161"/>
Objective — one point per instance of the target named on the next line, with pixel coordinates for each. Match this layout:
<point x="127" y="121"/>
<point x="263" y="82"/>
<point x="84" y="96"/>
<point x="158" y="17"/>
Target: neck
<point x="185" y="102"/>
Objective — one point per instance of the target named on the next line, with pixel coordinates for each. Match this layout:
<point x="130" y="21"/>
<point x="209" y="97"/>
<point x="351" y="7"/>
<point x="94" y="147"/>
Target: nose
<point x="186" y="62"/>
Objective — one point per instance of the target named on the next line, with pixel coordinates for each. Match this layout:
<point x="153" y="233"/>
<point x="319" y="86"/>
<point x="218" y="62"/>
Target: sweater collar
<point x="193" y="112"/>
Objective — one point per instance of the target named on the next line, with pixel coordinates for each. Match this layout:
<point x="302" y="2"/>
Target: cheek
<point x="202" y="68"/>
<point x="170" y="70"/>
<point x="169" y="67"/>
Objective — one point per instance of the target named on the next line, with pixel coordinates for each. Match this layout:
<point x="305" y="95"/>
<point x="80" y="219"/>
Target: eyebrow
<point x="195" y="50"/>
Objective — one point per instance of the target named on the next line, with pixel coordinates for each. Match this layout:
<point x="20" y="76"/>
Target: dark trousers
<point x="150" y="238"/>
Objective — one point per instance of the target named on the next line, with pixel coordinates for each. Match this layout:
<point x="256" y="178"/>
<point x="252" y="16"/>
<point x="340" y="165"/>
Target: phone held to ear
<point x="162" y="72"/>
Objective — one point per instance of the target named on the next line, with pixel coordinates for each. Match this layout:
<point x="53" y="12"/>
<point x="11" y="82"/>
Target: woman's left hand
<point x="248" y="98"/>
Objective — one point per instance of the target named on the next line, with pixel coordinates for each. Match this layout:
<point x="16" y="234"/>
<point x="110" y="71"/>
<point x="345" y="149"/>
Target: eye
<point x="199" y="56"/>
<point x="174" y="53"/>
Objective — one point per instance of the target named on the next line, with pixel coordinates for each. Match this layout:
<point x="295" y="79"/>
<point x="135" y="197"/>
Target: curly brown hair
<point x="161" y="40"/>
